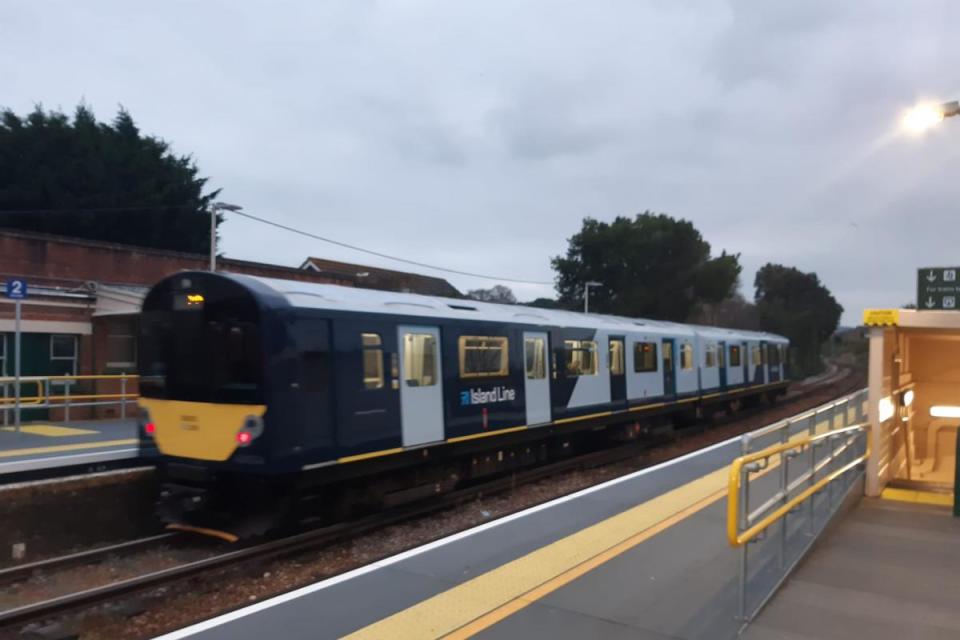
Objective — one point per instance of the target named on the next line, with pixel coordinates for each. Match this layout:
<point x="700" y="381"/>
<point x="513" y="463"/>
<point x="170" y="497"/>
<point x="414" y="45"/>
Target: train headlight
<point x="149" y="427"/>
<point x="251" y="429"/>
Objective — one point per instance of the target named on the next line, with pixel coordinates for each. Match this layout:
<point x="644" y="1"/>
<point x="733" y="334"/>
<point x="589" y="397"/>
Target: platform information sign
<point x="17" y="291"/>
<point x="938" y="288"/>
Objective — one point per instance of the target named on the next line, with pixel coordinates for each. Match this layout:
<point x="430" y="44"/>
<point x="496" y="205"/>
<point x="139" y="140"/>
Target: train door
<point x="774" y="360"/>
<point x="745" y="357"/>
<point x="669" y="367"/>
<point x="536" y="384"/>
<point x="367" y="382"/>
<point x="722" y="364"/>
<point x="421" y="385"/>
<point x="763" y="378"/>
<point x="617" y="366"/>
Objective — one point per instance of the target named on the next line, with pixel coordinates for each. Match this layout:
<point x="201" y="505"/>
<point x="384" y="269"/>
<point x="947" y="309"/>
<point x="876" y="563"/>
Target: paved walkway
<point x="889" y="570"/>
<point x="45" y="445"/>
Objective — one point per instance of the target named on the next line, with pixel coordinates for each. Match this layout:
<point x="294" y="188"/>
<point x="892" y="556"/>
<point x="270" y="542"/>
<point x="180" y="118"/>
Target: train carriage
<point x="256" y="390"/>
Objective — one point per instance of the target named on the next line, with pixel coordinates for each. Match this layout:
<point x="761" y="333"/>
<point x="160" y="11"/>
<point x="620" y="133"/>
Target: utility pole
<point x="214" y="208"/>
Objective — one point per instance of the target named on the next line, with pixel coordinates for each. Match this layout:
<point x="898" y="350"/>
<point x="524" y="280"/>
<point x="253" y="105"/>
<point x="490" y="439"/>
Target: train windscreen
<point x="200" y="342"/>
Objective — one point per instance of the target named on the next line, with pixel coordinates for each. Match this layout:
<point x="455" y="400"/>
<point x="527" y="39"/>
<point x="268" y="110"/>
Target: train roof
<point x="313" y="295"/>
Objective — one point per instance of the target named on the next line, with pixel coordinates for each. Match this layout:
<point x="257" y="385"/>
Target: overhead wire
<point x="301" y="232"/>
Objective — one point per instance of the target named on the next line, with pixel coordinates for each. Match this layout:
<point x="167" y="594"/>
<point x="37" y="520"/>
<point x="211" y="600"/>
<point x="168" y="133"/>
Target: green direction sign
<point x="938" y="288"/>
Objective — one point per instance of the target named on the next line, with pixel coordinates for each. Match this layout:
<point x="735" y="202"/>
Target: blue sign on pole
<point x="16" y="289"/>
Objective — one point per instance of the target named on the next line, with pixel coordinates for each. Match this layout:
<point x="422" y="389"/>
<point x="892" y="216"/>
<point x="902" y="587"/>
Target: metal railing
<point x="827" y="453"/>
<point x="66" y="392"/>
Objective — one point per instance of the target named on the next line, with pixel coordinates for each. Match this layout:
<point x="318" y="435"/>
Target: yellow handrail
<point x="41" y="397"/>
<point x="738" y="538"/>
<point x="24" y="400"/>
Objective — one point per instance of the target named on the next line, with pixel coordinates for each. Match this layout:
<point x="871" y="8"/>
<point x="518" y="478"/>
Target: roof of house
<point x="385" y="279"/>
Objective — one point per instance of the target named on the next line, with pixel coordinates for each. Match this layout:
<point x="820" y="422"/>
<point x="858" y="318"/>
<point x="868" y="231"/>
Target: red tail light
<point x="149" y="428"/>
<point x="244" y="438"/>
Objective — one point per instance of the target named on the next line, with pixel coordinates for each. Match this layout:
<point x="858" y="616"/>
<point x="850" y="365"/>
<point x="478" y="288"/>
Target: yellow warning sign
<point x="881" y="317"/>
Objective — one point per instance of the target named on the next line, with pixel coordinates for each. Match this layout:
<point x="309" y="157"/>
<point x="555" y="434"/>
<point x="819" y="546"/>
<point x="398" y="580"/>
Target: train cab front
<point x="203" y="401"/>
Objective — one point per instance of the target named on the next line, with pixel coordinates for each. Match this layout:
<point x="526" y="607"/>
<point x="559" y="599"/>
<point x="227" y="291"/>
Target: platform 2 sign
<point x="938" y="288"/>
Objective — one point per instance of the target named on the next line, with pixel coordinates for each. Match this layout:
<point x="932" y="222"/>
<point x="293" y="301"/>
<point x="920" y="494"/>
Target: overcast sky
<point x="477" y="135"/>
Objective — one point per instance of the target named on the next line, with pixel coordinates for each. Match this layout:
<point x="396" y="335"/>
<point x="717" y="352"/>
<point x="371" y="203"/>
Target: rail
<point x="838" y="430"/>
<point x="66" y="392"/>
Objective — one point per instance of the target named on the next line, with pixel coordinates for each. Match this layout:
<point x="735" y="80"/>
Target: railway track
<point x="839" y="384"/>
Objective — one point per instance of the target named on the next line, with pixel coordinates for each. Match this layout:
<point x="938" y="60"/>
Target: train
<point x="270" y="400"/>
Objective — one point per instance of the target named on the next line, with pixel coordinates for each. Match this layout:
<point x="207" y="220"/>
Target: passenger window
<point x="755" y="356"/>
<point x="419" y="359"/>
<point x="483" y="356"/>
<point x="372" y="361"/>
<point x="535" y="352"/>
<point x="645" y="356"/>
<point x="686" y="356"/>
<point x="616" y="357"/>
<point x="581" y="357"/>
<point x="710" y="356"/>
<point x="734" y="356"/>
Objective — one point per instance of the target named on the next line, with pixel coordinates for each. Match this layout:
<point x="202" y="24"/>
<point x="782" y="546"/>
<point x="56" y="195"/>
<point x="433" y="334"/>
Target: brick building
<point x="84" y="298"/>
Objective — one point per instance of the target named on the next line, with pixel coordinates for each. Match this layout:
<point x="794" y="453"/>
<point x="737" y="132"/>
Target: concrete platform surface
<point x="642" y="556"/>
<point x="49" y="445"/>
<point x="888" y="570"/>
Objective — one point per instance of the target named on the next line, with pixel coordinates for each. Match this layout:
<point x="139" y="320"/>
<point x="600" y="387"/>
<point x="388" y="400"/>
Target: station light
<point x="926" y="115"/>
<point x="885" y="409"/>
<point x="907" y="397"/>
<point x="945" y="411"/>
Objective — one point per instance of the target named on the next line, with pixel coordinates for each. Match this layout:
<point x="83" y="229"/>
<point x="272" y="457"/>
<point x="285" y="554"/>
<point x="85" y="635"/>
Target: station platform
<point x="888" y="570"/>
<point x="48" y="446"/>
<point x="641" y="556"/>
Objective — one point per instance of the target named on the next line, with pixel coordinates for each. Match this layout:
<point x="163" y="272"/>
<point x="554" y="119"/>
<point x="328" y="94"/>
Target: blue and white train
<point x="262" y="392"/>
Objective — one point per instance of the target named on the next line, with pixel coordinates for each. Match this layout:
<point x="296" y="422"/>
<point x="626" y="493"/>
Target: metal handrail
<point x="45" y="399"/>
<point x="738" y="538"/>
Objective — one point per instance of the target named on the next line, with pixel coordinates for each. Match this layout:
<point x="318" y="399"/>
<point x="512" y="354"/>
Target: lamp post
<point x="586" y="293"/>
<point x="214" y="208"/>
<point x="925" y="116"/>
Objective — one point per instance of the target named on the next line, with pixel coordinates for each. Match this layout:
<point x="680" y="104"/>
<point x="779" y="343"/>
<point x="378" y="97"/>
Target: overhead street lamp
<point x="586" y="293"/>
<point x="214" y="208"/>
<point x="925" y="116"/>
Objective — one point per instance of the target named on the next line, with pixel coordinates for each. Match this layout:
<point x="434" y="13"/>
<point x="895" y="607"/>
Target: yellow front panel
<point x="198" y="430"/>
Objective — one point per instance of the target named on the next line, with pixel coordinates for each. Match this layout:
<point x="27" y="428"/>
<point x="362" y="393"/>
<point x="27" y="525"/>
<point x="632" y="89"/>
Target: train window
<point x="710" y="356"/>
<point x="734" y="356"/>
<point x="581" y="357"/>
<point x="721" y="357"/>
<point x="645" y="356"/>
<point x="686" y="356"/>
<point x="419" y="359"/>
<point x="535" y="350"/>
<point x="755" y="357"/>
<point x="483" y="356"/>
<point x="372" y="361"/>
<point x="616" y="358"/>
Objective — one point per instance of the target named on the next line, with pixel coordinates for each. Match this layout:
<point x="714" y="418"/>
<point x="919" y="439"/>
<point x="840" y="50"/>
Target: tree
<point x="497" y="293"/>
<point x="99" y="181"/>
<point x="734" y="312"/>
<point x="652" y="265"/>
<point x="543" y="303"/>
<point x="798" y="306"/>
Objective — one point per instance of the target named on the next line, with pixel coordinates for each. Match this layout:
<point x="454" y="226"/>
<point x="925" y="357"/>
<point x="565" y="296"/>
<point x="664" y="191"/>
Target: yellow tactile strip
<point x="919" y="497"/>
<point x="80" y="446"/>
<point x="52" y="431"/>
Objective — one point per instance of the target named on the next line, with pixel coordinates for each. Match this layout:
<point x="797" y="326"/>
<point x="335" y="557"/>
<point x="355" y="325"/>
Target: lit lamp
<point x="923" y="117"/>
